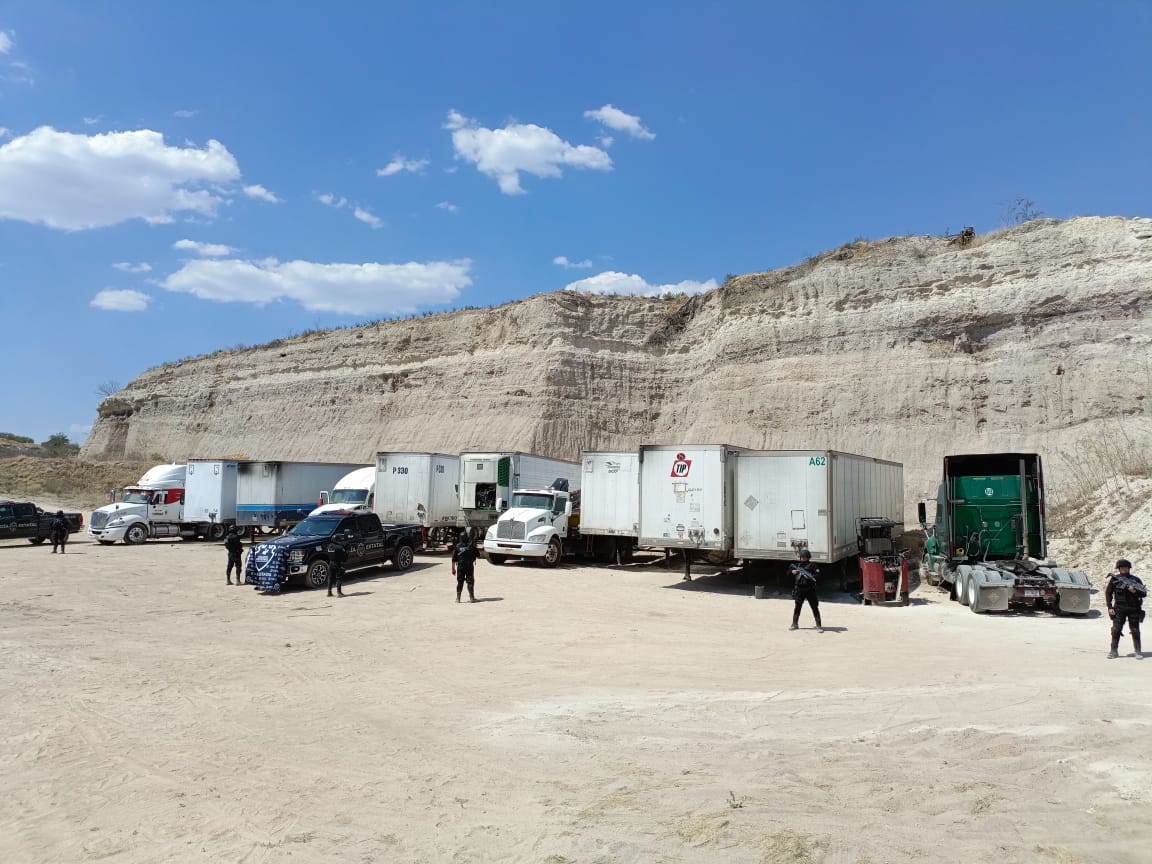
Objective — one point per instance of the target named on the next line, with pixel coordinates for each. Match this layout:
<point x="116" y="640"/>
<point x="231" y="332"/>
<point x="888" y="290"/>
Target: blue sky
<point x="743" y="138"/>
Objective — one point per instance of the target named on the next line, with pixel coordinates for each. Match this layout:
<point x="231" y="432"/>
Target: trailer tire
<point x="36" y="541"/>
<point x="403" y="558"/>
<point x="496" y="560"/>
<point x="135" y="535"/>
<point x="317" y="575"/>
<point x="554" y="554"/>
<point x="216" y="531"/>
<point x="960" y="589"/>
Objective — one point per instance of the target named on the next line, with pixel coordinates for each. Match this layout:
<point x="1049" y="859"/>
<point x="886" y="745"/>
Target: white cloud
<point x="399" y="164"/>
<point x="129" y="267"/>
<point x="350" y="289"/>
<point x="614" y="118"/>
<point x="606" y="140"/>
<point x="563" y="261"/>
<point x="330" y="200"/>
<point x="448" y="206"/>
<point x="204" y="250"/>
<point x="260" y="194"/>
<point x="92" y="121"/>
<point x="368" y="218"/>
<point x="5" y="131"/>
<point x="184" y="113"/>
<point x="70" y="181"/>
<point x="6" y="41"/>
<point x="612" y="282"/>
<point x="125" y="300"/>
<point x="519" y="147"/>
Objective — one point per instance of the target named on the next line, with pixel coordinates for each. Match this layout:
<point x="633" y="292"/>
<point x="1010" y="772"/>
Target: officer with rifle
<point x="1124" y="593"/>
<point x="805" y="576"/>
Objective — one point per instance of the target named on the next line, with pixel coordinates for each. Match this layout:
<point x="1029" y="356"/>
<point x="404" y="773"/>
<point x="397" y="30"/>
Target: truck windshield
<point x="137" y="496"/>
<point x="532" y="500"/>
<point x="316" y="526"/>
<point x="348" y="496"/>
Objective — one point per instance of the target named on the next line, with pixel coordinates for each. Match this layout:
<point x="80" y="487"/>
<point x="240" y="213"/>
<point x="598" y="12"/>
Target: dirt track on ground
<point x="153" y="714"/>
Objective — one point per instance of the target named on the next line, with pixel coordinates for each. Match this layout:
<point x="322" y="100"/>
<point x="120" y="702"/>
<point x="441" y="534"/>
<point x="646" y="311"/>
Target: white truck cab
<point x="355" y="492"/>
<point x="153" y="507"/>
<point x="538" y="524"/>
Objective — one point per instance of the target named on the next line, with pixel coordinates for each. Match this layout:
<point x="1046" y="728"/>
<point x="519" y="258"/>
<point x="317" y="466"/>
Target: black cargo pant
<point x="60" y="540"/>
<point x="335" y="578"/>
<point x="466" y="575"/>
<point x="1132" y="616"/>
<point x="234" y="561"/>
<point x="800" y="597"/>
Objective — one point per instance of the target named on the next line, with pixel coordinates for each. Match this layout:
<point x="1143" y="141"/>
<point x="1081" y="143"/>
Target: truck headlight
<point x="115" y="523"/>
<point x="296" y="555"/>
<point x="539" y="537"/>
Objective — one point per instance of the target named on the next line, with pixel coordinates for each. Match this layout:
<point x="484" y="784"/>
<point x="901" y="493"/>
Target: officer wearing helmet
<point x="464" y="566"/>
<point x="1124" y="593"/>
<point x="58" y="531"/>
<point x="805" y="576"/>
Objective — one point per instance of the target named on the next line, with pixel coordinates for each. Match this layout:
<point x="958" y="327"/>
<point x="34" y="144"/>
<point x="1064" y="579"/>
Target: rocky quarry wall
<point x="1034" y="338"/>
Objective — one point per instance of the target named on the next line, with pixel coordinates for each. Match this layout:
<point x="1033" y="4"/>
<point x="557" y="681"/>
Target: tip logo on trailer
<point x="681" y="466"/>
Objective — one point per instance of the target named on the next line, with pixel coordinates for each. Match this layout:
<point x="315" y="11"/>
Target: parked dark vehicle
<point x="23" y="520"/>
<point x="369" y="544"/>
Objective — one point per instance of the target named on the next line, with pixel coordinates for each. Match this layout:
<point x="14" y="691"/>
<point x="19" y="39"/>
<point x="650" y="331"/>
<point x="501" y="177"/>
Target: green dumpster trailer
<point x="989" y="546"/>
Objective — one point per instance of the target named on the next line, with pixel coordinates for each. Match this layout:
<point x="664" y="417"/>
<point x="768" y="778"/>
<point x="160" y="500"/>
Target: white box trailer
<point x="686" y="496"/>
<point x="210" y="496"/>
<point x="788" y="499"/>
<point x="487" y="481"/>
<point x="280" y="494"/>
<point x="419" y="489"/>
<point x="610" y="494"/>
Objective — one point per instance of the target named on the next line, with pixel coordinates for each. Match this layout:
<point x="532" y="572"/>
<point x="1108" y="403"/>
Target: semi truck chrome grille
<point x="99" y="520"/>
<point x="510" y="530"/>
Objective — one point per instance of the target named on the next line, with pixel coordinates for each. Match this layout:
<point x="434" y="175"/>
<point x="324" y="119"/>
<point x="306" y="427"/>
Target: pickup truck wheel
<point x="36" y="541"/>
<point x="317" y="575"/>
<point x="496" y="560"/>
<point x="135" y="535"/>
<point x="402" y="560"/>
<point x="552" y="556"/>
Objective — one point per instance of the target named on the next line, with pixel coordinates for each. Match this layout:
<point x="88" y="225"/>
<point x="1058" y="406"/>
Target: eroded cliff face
<point x="1034" y="338"/>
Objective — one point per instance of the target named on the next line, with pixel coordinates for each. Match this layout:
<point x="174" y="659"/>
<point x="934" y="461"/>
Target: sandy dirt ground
<point x="153" y="714"/>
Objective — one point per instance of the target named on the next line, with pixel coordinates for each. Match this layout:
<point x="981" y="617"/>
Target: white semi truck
<point x="487" y="481"/>
<point x="355" y="492"/>
<point x="153" y="507"/>
<point x="420" y="489"/>
<point x="599" y="519"/>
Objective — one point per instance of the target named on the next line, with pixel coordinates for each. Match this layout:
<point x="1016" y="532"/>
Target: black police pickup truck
<point x="23" y="520"/>
<point x="301" y="555"/>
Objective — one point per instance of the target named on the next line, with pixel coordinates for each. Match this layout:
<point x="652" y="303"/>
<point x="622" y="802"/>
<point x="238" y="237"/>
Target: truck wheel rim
<point x="136" y="533"/>
<point x="404" y="558"/>
<point x="553" y="554"/>
<point x="318" y="576"/>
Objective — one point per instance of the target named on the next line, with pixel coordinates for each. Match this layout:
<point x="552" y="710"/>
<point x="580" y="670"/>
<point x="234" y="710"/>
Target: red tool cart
<point x="883" y="570"/>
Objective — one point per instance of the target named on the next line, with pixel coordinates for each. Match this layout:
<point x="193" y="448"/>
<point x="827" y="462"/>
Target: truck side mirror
<point x="922" y="514"/>
<point x="323" y="498"/>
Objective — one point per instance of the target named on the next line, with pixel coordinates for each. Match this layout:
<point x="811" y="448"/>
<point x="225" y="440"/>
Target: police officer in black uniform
<point x="235" y="547"/>
<point x="464" y="566"/>
<point x="1124" y="593"/>
<point x="337" y="556"/>
<point x="58" y="532"/>
<point x="805" y="576"/>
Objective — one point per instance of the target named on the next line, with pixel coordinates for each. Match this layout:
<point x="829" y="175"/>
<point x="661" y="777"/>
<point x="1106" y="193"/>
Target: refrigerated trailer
<point x="787" y="500"/>
<point x="420" y="489"/>
<point x="210" y="497"/>
<point x="280" y="494"/>
<point x="686" y="499"/>
<point x="487" y="481"/>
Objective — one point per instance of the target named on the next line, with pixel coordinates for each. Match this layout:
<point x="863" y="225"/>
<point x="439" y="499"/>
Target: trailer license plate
<point x="1033" y="592"/>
